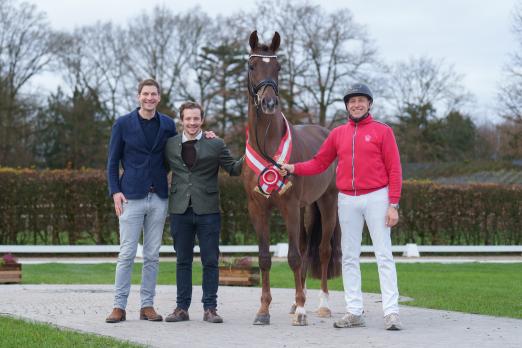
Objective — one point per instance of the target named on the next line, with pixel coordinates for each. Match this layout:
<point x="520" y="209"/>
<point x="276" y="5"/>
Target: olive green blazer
<point x="198" y="185"/>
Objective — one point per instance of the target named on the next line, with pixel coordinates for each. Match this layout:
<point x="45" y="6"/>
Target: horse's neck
<point x="272" y="125"/>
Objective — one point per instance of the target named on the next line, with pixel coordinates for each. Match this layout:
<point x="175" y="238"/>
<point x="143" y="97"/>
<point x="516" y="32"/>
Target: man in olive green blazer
<point x="194" y="208"/>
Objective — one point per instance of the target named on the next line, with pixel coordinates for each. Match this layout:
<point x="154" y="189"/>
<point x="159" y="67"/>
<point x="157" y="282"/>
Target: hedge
<point x="72" y="207"/>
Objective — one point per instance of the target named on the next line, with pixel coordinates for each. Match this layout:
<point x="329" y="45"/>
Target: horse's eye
<point x="251" y="66"/>
<point x="278" y="67"/>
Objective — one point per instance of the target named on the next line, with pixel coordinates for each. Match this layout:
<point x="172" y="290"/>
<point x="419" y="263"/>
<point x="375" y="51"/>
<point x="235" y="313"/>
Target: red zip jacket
<point x="368" y="158"/>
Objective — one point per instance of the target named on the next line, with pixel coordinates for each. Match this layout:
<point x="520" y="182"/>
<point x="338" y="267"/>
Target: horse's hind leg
<point x="327" y="205"/>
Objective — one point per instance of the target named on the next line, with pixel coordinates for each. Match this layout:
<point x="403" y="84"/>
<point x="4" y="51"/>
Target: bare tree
<point x="511" y="88"/>
<point x="339" y="52"/>
<point x="107" y="49"/>
<point x="163" y="45"/>
<point x="424" y="81"/>
<point x="26" y="47"/>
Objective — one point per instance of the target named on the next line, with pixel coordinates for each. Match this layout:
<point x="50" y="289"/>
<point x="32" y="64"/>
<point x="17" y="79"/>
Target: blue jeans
<point x="147" y="214"/>
<point x="184" y="228"/>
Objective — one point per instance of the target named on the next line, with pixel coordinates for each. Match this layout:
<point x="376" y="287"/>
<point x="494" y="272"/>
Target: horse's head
<point x="263" y="71"/>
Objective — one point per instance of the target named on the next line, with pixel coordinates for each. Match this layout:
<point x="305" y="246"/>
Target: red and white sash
<point x="269" y="179"/>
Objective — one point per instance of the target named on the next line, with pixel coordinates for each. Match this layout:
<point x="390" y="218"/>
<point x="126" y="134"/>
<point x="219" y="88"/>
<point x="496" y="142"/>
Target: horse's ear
<point x="254" y="40"/>
<point x="276" y="40"/>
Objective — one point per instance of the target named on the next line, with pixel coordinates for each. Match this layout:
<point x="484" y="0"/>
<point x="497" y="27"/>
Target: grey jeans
<point x="147" y="214"/>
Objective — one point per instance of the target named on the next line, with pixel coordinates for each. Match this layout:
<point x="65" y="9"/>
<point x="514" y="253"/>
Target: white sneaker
<point x="392" y="322"/>
<point x="350" y="320"/>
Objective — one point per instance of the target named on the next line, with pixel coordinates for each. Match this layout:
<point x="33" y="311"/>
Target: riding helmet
<point x="358" y="89"/>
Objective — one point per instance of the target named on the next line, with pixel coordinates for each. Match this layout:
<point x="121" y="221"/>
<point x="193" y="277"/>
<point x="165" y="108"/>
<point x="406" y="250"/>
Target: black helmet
<point x="358" y="89"/>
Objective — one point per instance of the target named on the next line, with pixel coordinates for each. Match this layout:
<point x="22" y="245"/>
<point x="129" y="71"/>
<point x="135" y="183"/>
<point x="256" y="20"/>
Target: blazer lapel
<point x="161" y="132"/>
<point x="177" y="146"/>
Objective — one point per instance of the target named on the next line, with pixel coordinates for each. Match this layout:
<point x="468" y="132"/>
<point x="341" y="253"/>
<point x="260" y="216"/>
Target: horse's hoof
<point x="324" y="312"/>
<point x="300" y="320"/>
<point x="262" y="319"/>
<point x="292" y="309"/>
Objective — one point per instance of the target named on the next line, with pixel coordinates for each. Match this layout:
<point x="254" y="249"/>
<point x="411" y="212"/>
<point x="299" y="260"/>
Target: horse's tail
<point x="335" y="260"/>
<point x="313" y="252"/>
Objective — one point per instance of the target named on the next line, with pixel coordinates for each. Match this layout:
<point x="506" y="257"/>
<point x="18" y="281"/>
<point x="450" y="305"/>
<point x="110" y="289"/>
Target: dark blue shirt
<point x="150" y="129"/>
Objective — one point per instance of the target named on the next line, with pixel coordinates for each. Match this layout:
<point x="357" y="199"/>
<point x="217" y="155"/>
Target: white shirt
<point x="184" y="137"/>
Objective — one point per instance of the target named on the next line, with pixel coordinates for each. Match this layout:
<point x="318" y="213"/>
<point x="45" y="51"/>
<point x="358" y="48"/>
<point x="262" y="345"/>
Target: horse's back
<point x="308" y="138"/>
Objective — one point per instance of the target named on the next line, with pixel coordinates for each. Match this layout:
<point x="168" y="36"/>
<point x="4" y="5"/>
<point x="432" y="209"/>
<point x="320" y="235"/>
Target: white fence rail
<point x="279" y="250"/>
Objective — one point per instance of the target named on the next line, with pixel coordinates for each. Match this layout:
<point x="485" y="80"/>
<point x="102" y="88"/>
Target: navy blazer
<point x="141" y="166"/>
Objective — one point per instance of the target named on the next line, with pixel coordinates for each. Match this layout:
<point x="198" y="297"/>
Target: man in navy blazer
<point x="140" y="195"/>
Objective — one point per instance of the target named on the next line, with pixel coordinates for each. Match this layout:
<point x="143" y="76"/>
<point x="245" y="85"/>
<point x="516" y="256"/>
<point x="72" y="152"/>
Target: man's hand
<point x="392" y="217"/>
<point x="118" y="199"/>
<point x="209" y="134"/>
<point x="286" y="168"/>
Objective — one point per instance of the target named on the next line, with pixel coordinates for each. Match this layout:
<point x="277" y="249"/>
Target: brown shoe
<point x="211" y="316"/>
<point x="116" y="316"/>
<point x="179" y="314"/>
<point x="148" y="313"/>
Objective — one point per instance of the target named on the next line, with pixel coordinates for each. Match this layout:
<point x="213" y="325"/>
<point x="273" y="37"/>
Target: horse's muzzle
<point x="269" y="105"/>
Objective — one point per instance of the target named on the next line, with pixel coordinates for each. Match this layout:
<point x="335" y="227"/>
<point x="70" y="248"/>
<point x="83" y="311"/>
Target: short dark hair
<point x="149" y="82"/>
<point x="190" y="105"/>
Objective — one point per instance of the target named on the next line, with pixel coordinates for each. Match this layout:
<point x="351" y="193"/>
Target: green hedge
<point x="481" y="214"/>
<point x="72" y="207"/>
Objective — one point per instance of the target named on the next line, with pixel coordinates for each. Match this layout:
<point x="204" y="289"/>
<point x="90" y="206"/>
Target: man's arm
<point x="392" y="161"/>
<point x="171" y="133"/>
<point x="227" y="162"/>
<point x="114" y="157"/>
<point x="319" y="163"/>
<point x="113" y="168"/>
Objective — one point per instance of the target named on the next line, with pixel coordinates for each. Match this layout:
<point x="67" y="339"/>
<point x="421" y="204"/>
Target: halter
<point x="254" y="90"/>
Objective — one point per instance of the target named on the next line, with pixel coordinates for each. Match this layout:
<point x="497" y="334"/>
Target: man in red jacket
<point x="369" y="179"/>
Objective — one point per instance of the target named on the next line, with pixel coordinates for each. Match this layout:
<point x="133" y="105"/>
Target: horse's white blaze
<point x="266" y="59"/>
<point x="323" y="300"/>
<point x="300" y="310"/>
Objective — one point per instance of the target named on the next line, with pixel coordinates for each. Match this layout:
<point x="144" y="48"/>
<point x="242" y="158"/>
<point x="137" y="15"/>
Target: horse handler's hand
<point x="392" y="217"/>
<point x="286" y="168"/>
<point x="210" y="134"/>
<point x="118" y="199"/>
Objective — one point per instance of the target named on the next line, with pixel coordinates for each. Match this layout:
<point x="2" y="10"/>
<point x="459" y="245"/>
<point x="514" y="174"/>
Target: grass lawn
<point x="492" y="289"/>
<point x="21" y="333"/>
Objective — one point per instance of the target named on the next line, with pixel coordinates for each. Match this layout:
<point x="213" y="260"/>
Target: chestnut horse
<point x="314" y="241"/>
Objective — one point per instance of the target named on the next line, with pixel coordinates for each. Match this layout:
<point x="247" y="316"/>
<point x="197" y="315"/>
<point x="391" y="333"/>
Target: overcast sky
<point x="473" y="35"/>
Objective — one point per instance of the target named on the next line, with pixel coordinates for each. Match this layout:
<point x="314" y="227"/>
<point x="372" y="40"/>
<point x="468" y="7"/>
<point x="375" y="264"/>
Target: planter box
<point x="238" y="275"/>
<point x="11" y="273"/>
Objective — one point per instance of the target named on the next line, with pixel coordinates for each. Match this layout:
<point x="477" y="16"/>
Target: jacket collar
<point x="366" y="120"/>
<point x="185" y="138"/>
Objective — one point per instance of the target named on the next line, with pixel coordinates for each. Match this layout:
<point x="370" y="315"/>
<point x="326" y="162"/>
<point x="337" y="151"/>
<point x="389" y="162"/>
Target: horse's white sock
<point x="323" y="299"/>
<point x="300" y="310"/>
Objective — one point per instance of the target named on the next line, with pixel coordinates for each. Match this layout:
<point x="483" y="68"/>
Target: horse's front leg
<point x="260" y="217"/>
<point x="303" y="245"/>
<point x="292" y="219"/>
